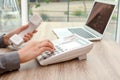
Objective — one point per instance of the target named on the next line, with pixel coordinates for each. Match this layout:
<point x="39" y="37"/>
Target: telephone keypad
<point x="47" y="54"/>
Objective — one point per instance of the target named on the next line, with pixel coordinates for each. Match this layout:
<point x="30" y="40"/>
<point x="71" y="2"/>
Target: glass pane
<point x="55" y="10"/>
<point x="79" y="10"/>
<point x="9" y="15"/>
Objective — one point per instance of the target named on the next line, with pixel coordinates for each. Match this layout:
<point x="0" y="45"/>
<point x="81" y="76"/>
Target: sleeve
<point x="2" y="45"/>
<point x="9" y="62"/>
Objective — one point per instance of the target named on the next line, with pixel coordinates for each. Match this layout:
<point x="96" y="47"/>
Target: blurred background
<point x="50" y="11"/>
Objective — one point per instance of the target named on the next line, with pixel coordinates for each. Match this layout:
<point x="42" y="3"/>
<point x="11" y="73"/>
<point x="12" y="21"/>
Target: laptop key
<point x="81" y="32"/>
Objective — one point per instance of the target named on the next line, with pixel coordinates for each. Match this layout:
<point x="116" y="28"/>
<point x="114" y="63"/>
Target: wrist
<point x="20" y="52"/>
<point x="6" y="40"/>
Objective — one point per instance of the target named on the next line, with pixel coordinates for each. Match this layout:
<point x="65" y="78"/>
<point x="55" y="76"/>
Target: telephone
<point x="66" y="48"/>
<point x="17" y="39"/>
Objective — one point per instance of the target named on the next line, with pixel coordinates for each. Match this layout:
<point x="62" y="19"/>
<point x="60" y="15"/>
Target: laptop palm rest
<point x="61" y="33"/>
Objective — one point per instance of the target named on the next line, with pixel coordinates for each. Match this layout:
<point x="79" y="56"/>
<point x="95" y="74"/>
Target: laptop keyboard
<point x="81" y="32"/>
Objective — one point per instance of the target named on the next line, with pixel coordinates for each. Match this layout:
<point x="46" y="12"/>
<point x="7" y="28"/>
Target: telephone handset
<point x="66" y="49"/>
<point x="17" y="39"/>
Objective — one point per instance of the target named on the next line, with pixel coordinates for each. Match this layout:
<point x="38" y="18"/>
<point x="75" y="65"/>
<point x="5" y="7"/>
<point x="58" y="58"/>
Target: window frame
<point x="24" y="12"/>
<point x="118" y="25"/>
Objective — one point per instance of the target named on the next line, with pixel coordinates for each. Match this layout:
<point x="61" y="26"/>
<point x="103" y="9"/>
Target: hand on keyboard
<point x="34" y="49"/>
<point x="48" y="54"/>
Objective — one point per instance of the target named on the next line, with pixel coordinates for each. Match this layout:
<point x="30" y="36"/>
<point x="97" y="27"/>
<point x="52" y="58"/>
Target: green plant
<point x="79" y="13"/>
<point x="66" y="12"/>
<point x="47" y="1"/>
<point x="37" y="5"/>
<point x="114" y="17"/>
<point x="44" y="16"/>
<point x="30" y="11"/>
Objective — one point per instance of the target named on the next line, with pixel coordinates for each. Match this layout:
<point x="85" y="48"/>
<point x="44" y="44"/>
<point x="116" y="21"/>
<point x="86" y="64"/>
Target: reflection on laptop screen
<point x="99" y="16"/>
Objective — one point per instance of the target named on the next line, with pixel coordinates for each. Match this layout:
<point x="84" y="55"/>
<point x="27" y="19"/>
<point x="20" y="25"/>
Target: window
<point x="9" y="15"/>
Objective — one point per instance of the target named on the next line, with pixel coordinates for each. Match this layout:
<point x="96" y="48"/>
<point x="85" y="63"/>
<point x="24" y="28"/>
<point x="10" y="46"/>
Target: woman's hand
<point x="26" y="38"/>
<point x="33" y="49"/>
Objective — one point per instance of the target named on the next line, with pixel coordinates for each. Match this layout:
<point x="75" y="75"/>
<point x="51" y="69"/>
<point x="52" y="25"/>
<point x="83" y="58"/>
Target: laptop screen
<point x="99" y="16"/>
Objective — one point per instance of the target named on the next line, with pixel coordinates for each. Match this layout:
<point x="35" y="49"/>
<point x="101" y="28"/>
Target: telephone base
<point x="67" y="48"/>
<point x="82" y="57"/>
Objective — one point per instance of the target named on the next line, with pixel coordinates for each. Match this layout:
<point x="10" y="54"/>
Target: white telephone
<point x="66" y="49"/>
<point x="17" y="39"/>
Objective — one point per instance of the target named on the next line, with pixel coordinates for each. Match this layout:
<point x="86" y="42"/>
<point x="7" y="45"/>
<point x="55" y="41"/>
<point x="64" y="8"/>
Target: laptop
<point x="96" y="23"/>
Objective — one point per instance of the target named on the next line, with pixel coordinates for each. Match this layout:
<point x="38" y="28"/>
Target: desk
<point x="103" y="61"/>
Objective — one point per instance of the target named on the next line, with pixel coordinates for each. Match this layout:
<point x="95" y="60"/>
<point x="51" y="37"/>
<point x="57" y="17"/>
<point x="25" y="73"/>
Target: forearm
<point x="9" y="62"/>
